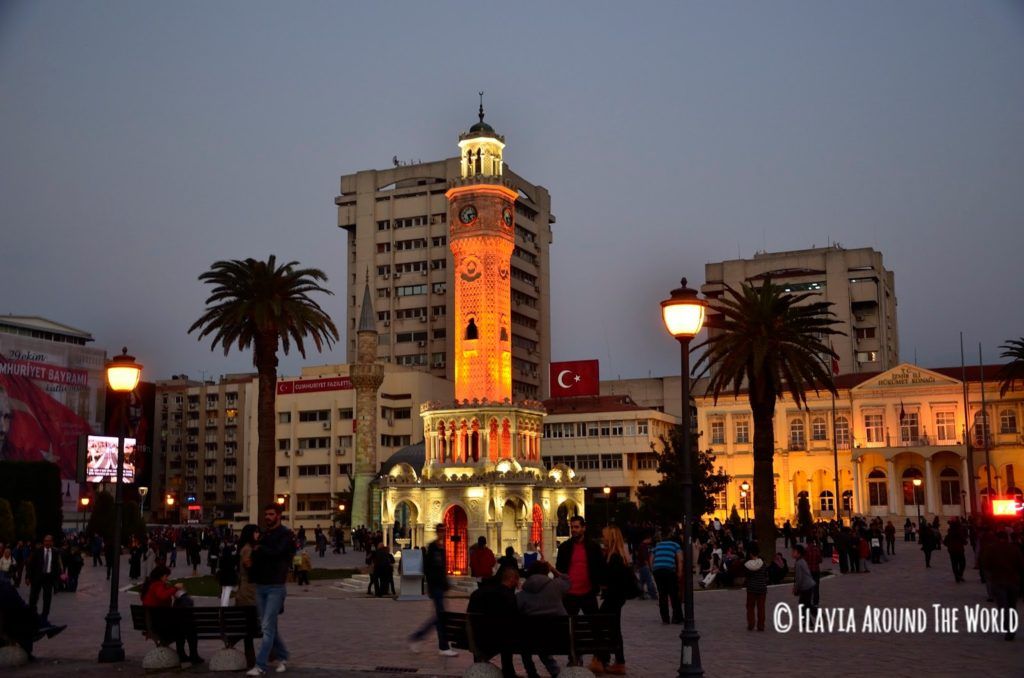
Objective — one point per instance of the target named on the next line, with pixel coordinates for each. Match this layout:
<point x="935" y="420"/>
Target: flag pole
<point x="972" y="484"/>
<point x="985" y="419"/>
<point x="835" y="462"/>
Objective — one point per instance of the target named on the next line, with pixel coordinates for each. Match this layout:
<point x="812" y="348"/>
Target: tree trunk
<point x="764" y="476"/>
<point x="266" y="422"/>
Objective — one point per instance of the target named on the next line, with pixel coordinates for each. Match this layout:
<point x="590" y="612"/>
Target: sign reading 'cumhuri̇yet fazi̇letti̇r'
<point x="314" y="385"/>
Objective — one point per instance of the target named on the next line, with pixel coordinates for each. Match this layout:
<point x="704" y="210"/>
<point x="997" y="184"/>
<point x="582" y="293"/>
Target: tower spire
<point x="481" y="112"/>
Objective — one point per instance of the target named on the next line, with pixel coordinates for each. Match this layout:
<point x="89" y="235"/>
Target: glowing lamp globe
<point x="169" y="500"/>
<point x="84" y="501"/>
<point x="917" y="482"/>
<point x="745" y="486"/>
<point x="123" y="372"/>
<point x="683" y="312"/>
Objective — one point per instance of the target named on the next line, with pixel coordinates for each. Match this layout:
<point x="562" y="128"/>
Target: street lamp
<point x="744" y="493"/>
<point x="683" y="313"/>
<point x="917" y="483"/>
<point x="123" y="375"/>
<point x="143" y="491"/>
<point x="84" y="502"/>
<point x="607" y="491"/>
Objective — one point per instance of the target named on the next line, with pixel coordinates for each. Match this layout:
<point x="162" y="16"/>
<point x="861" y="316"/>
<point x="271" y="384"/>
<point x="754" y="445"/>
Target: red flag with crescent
<point x="575" y="378"/>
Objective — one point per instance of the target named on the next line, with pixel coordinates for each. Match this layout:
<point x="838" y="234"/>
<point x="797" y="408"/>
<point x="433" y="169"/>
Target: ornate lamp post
<point x="744" y="493"/>
<point x="123" y="375"/>
<point x="169" y="502"/>
<point x="917" y="483"/>
<point x="84" y="503"/>
<point x="683" y="313"/>
<point x="607" y="491"/>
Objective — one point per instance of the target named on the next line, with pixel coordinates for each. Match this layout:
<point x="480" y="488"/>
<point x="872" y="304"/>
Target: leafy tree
<point x="132" y="524"/>
<point x="6" y="522"/>
<point x="770" y="342"/>
<point x="25" y="520"/>
<point x="1012" y="371"/>
<point x="663" y="503"/>
<point x="266" y="306"/>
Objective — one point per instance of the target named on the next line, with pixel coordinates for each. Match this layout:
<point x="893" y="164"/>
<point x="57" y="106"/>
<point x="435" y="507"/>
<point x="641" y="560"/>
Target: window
<point x="315" y="415"/>
<point x="742" y="431"/>
<point x="819" y="429"/>
<point x="718" y="432"/>
<point x="611" y="461"/>
<point x="646" y="461"/>
<point x="878" y="492"/>
<point x="412" y="359"/>
<point x="322" y="443"/>
<point x="284" y="417"/>
<point x="410" y="290"/>
<point x="913" y="494"/>
<point x="284" y="443"/>
<point x="797" y="436"/>
<point x="641" y="428"/>
<point x="867" y="356"/>
<point x="345" y="442"/>
<point x="949" y="487"/>
<point x="345" y="469"/>
<point x="827" y="501"/>
<point x="588" y="462"/>
<point x="945" y="426"/>
<point x="307" y="470"/>
<point x="1007" y="421"/>
<point x="909" y="428"/>
<point x="345" y="413"/>
<point x="874" y="428"/>
<point x="982" y="433"/>
<point x="282" y="471"/>
<point x="848" y="500"/>
<point x="865" y="332"/>
<point x="842" y="432"/>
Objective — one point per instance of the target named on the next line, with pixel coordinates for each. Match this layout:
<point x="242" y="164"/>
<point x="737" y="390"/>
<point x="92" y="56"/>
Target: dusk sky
<point x="142" y="141"/>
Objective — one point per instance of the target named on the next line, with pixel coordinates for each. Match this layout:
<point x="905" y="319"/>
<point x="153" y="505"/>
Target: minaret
<point x="367" y="377"/>
<point x="482" y="238"/>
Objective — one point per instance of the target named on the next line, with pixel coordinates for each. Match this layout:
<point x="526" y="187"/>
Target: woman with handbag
<point x="157" y="591"/>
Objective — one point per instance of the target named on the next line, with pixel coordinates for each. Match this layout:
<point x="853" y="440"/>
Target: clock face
<point x="506" y="214"/>
<point x="467" y="214"/>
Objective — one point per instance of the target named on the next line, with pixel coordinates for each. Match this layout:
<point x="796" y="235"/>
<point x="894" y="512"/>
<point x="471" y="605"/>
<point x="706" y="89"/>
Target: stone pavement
<point x="338" y="633"/>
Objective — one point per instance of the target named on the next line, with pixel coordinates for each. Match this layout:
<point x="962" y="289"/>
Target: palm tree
<point x="266" y="306"/>
<point x="1013" y="370"/>
<point x="772" y="343"/>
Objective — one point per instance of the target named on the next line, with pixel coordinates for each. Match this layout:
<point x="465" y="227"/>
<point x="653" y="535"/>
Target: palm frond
<point x="1012" y="371"/>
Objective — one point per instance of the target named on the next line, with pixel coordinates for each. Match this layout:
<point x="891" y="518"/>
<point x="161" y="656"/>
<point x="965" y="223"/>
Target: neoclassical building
<point x="480" y="470"/>
<point x="890" y="428"/>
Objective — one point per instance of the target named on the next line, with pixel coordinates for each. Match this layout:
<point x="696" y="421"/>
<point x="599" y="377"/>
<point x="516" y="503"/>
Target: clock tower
<point x="482" y="238"/>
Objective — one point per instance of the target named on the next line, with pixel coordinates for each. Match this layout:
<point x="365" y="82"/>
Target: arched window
<point x="1007" y="421"/>
<point x="797" y="437"/>
<point x="913" y="494"/>
<point x="949" y="486"/>
<point x="848" y="500"/>
<point x="471" y="330"/>
<point x="878" y="490"/>
<point x="827" y="501"/>
<point x="842" y="433"/>
<point x="819" y="429"/>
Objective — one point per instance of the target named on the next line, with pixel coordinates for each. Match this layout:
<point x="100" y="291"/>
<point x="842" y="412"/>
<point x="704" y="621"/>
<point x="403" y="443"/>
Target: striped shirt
<point x="665" y="554"/>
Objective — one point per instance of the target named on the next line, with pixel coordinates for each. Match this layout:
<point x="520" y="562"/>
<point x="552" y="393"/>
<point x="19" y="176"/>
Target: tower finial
<point x="481" y="113"/>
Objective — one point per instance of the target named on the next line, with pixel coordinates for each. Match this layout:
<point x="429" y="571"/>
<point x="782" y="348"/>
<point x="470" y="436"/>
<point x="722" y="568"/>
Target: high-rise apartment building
<point x="862" y="291"/>
<point x="198" y="447"/>
<point x="397" y="224"/>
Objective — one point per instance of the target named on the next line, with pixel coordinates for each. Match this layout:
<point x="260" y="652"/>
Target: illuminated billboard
<point x="1005" y="507"/>
<point x="100" y="460"/>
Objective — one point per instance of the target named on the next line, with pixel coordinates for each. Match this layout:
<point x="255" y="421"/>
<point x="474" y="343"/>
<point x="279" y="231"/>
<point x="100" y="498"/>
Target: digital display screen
<point x="101" y="460"/>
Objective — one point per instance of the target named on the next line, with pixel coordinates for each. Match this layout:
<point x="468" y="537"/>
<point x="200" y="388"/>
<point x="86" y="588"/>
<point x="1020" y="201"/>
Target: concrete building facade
<point x="862" y="291"/>
<point x="397" y="222"/>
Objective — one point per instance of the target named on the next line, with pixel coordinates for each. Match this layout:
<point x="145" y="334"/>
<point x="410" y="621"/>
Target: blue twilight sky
<point x="140" y="141"/>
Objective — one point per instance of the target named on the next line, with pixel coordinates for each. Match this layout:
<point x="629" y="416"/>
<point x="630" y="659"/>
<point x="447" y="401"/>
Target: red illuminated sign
<point x="1006" y="507"/>
<point x="193" y="507"/>
<point x="313" y="385"/>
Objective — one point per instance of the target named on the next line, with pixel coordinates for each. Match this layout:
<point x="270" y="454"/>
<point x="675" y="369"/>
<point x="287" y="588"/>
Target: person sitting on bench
<point x="157" y="592"/>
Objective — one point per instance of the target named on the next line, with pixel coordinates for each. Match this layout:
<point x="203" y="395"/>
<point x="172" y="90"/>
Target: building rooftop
<point x="591" y="404"/>
<point x="42" y="328"/>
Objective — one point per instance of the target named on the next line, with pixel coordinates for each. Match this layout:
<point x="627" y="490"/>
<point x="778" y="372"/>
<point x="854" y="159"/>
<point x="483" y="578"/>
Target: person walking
<point x="271" y="558"/>
<point x="246" y="594"/>
<point x="43" y="571"/>
<point x="435" y="572"/>
<point x="643" y="569"/>
<point x="890" y="538"/>
<point x="928" y="543"/>
<point x="227" y="571"/>
<point x="803" y="582"/>
<point x="667" y="564"/>
<point x="756" y="571"/>
<point x="1003" y="564"/>
<point x="619" y="585"/>
<point x="956" y="542"/>
<point x="812" y="554"/>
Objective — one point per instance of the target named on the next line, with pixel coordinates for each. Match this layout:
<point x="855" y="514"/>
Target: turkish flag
<point x="575" y="378"/>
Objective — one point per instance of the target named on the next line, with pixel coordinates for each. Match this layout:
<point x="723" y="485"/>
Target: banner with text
<point x="313" y="385"/>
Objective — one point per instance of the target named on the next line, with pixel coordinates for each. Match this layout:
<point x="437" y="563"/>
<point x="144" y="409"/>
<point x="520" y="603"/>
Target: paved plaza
<point x="330" y="631"/>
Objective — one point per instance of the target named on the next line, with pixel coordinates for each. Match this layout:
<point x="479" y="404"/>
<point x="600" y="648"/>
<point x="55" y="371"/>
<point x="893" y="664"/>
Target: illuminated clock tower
<point x="482" y="213"/>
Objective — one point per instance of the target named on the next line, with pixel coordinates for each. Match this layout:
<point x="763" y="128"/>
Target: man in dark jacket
<point x="42" y="573"/>
<point x="956" y="541"/>
<point x="581" y="559"/>
<point x="495" y="603"/>
<point x="271" y="559"/>
<point x="435" y="572"/>
<point x="18" y="621"/>
<point x="1003" y="564"/>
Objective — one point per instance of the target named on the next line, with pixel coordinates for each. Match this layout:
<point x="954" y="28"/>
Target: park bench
<point x="227" y="624"/>
<point x="486" y="636"/>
